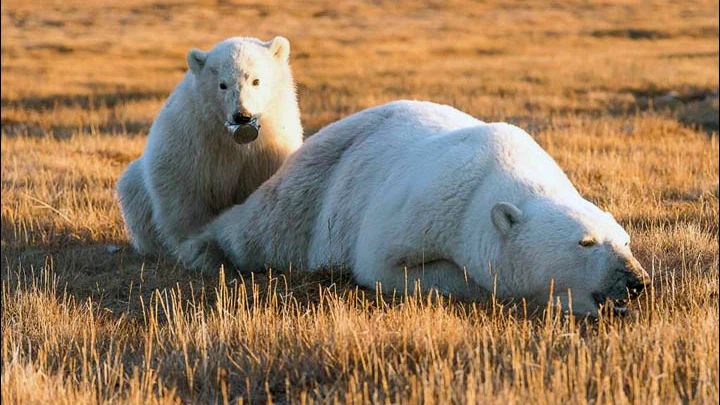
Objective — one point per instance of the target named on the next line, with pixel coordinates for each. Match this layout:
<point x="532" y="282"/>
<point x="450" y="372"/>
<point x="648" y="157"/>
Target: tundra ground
<point x="623" y="94"/>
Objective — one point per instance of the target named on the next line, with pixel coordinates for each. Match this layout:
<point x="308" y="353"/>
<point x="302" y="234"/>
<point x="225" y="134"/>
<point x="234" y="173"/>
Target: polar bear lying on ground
<point x="419" y="191"/>
<point x="193" y="166"/>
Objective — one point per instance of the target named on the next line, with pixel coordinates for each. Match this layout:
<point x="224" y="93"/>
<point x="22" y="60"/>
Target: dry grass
<point x="81" y="84"/>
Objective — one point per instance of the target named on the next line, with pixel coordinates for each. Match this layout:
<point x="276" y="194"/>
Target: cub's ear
<point x="505" y="216"/>
<point x="196" y="60"/>
<point x="280" y="48"/>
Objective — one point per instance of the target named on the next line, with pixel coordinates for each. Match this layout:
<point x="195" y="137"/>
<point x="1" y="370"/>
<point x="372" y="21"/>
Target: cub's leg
<point x="137" y="210"/>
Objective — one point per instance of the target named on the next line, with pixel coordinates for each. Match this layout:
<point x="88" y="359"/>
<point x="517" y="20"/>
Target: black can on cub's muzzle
<point x="244" y="133"/>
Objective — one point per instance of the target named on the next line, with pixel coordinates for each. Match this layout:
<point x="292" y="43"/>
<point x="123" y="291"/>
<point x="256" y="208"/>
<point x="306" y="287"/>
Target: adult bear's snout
<point x="637" y="278"/>
<point x="636" y="285"/>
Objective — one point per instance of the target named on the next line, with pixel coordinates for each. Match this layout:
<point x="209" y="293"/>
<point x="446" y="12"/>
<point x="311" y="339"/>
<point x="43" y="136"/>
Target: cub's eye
<point x="627" y="243"/>
<point x="223" y="86"/>
<point x="256" y="82"/>
<point x="585" y="242"/>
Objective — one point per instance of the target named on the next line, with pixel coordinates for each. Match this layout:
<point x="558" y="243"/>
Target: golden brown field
<point x="82" y="81"/>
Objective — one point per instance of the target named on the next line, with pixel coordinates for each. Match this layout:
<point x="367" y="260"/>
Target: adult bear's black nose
<point x="636" y="285"/>
<point x="637" y="278"/>
<point x="241" y="118"/>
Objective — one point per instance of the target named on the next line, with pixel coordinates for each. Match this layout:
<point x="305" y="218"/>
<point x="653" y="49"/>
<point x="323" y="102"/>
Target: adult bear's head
<point x="573" y="245"/>
<point x="240" y="77"/>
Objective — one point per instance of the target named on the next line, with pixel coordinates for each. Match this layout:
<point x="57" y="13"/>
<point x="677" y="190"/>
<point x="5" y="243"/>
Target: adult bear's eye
<point x="585" y="242"/>
<point x="256" y="82"/>
<point x="223" y="86"/>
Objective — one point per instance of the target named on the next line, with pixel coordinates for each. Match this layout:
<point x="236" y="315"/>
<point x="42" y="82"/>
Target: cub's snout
<point x="241" y="118"/>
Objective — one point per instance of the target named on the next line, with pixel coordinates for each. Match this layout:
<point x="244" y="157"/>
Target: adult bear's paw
<point x="201" y="253"/>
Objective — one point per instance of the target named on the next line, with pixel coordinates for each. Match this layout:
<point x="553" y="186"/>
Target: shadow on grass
<point x="115" y="125"/>
<point x="124" y="127"/>
<point x="120" y="280"/>
<point x="123" y="283"/>
<point x="84" y="101"/>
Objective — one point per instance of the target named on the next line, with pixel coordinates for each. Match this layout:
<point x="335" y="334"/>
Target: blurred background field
<point x="623" y="94"/>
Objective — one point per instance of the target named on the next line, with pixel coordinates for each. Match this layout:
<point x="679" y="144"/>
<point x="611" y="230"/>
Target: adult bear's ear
<point x="280" y="48"/>
<point x="196" y="60"/>
<point x="505" y="216"/>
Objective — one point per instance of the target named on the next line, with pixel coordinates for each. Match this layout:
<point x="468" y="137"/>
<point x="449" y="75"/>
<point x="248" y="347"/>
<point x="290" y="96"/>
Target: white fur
<point x="191" y="168"/>
<point x="418" y="191"/>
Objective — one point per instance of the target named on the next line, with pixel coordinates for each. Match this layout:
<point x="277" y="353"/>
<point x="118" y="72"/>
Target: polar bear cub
<point x="419" y="191"/>
<point x="192" y="167"/>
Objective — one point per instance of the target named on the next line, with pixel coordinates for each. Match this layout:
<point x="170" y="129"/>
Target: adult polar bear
<point x="192" y="168"/>
<point x="418" y="191"/>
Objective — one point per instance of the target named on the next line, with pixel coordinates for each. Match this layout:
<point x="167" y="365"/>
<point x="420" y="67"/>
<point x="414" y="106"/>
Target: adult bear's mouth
<point x="618" y="306"/>
<point x="627" y="288"/>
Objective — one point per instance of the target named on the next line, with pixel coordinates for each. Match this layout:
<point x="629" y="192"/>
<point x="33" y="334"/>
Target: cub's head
<point x="240" y="76"/>
<point x="576" y="246"/>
